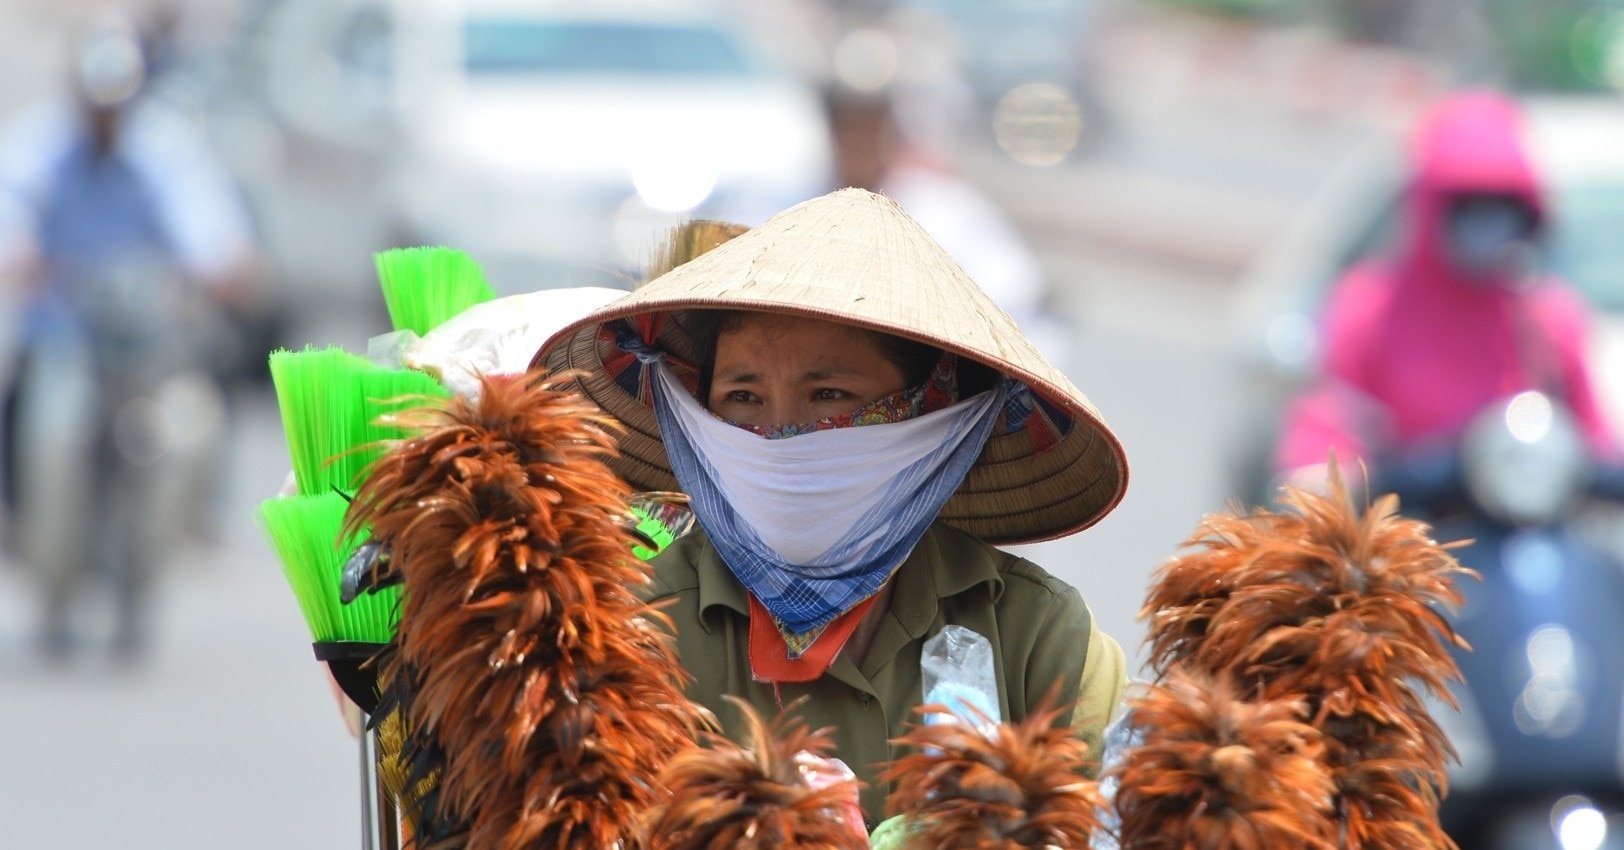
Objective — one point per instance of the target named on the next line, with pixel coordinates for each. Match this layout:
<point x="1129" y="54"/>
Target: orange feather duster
<point x="1023" y="785"/>
<point x="755" y="797"/>
<point x="1344" y="609"/>
<point x="528" y="673"/>
<point x="1216" y="773"/>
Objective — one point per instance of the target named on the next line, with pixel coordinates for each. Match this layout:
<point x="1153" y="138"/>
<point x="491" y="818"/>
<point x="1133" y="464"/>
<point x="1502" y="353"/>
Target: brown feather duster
<point x="1216" y="773"/>
<point x="1023" y="785"/>
<point x="1344" y="609"/>
<point x="755" y="797"/>
<point x="690" y="240"/>
<point x="526" y="669"/>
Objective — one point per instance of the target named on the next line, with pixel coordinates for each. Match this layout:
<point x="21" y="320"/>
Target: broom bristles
<point x="307" y="533"/>
<point x="333" y="405"/>
<point x="381" y="393"/>
<point x="310" y="424"/>
<point x="423" y="287"/>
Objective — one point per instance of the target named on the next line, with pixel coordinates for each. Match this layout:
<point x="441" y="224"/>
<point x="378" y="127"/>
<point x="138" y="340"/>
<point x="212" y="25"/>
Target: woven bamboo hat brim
<point x="856" y="258"/>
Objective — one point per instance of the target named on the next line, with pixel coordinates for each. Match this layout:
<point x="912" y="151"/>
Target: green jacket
<point x="1039" y="627"/>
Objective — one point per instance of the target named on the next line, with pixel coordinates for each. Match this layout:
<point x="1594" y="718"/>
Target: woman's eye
<point x="742" y="397"/>
<point x="829" y="394"/>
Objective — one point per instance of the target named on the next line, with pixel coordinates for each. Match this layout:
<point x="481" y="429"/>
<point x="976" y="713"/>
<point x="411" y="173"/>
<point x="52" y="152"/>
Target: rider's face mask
<point x="1492" y="238"/>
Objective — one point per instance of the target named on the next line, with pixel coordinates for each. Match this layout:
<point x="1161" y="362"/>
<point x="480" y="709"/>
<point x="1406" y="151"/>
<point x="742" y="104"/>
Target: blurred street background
<point x="1160" y="189"/>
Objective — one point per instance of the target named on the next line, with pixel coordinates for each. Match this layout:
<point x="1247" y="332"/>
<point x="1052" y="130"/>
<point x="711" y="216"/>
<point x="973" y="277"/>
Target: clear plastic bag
<point x="500" y="337"/>
<point x="1120" y="736"/>
<point x="390" y="350"/>
<point x="959" y="673"/>
<point x="819" y="772"/>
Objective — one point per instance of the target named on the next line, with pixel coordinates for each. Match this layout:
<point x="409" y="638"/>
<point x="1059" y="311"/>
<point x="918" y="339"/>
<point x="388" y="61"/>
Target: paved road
<point x="225" y="737"/>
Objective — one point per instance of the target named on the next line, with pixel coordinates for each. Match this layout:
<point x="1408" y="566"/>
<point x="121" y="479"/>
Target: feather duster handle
<point x="760" y="796"/>
<point x="1344" y="609"/>
<point x="1023" y="785"/>
<point x="526" y="669"/>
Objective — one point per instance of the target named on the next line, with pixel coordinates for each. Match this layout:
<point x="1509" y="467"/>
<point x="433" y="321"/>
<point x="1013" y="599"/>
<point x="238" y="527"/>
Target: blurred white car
<point x="1577" y="143"/>
<point x="554" y="141"/>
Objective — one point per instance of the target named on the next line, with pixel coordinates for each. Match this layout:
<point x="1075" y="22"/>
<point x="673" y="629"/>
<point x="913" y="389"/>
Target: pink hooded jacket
<point x="1412" y="349"/>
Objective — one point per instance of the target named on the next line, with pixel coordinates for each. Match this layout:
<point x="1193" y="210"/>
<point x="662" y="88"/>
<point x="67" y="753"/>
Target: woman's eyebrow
<point x="740" y="378"/>
<point x="828" y="373"/>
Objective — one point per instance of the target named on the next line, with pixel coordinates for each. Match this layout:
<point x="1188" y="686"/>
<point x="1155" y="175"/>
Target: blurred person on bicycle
<point x="123" y="243"/>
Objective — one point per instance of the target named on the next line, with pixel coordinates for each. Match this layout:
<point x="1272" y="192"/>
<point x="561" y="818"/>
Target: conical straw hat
<point x="856" y="258"/>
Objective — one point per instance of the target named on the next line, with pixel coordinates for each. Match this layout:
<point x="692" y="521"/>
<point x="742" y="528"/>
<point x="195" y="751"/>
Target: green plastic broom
<point x="424" y="287"/>
<point x="334" y="408"/>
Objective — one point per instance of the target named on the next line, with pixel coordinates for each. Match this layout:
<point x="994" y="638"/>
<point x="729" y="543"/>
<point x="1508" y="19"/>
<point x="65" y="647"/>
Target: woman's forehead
<point x="759" y="339"/>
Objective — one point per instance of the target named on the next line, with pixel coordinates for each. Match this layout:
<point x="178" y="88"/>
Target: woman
<point x="855" y="423"/>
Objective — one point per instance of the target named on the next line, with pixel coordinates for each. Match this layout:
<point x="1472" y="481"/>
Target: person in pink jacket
<point x="1458" y="317"/>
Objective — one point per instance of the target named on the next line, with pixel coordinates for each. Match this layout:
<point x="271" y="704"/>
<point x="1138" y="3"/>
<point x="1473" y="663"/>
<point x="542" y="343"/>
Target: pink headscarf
<point x="1413" y="349"/>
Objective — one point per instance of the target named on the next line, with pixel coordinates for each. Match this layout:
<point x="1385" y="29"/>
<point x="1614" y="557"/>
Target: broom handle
<point x="370" y="790"/>
<point x="380" y="818"/>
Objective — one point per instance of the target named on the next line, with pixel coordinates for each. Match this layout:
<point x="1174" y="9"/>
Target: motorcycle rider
<point x="119" y="234"/>
<point x="1458" y="317"/>
<point x="1419" y="345"/>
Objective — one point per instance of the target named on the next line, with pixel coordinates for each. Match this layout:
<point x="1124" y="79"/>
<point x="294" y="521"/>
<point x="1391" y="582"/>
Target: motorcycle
<point x="1540" y="730"/>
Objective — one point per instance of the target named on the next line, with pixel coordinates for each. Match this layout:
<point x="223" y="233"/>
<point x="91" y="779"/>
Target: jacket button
<point x="863" y="696"/>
